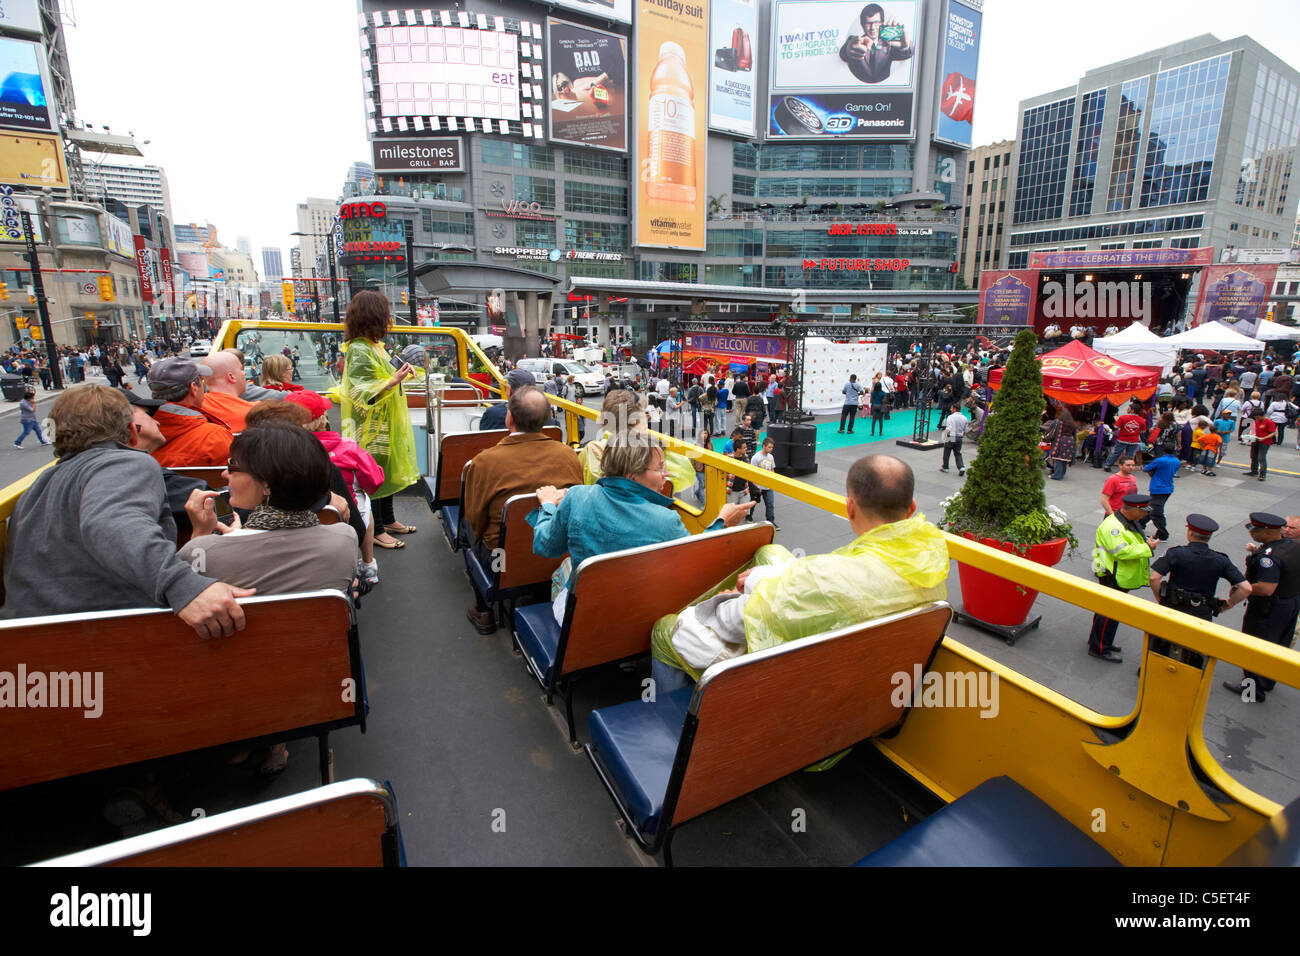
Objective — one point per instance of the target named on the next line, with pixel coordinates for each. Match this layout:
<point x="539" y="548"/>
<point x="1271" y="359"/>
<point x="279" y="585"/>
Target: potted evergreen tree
<point x="1002" y="503"/>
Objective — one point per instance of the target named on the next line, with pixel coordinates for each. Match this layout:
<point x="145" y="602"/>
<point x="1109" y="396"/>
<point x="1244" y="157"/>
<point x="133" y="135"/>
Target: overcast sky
<point x="251" y="107"/>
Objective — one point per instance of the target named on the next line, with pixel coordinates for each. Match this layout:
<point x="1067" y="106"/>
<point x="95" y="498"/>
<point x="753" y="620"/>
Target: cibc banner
<point x="671" y="95"/>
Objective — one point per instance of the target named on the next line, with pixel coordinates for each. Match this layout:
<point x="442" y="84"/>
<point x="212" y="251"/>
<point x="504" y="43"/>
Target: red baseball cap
<point x="314" y="402"/>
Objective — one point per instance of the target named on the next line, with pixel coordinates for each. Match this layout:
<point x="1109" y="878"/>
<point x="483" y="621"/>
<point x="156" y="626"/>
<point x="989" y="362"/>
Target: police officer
<point x="1120" y="557"/>
<point x="1185" y="578"/>
<point x="1273" y="571"/>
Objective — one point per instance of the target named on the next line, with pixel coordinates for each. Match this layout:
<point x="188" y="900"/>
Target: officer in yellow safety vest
<point x="1121" y="557"/>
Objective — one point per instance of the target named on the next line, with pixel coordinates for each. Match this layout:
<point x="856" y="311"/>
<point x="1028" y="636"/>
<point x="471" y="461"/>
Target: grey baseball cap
<point x="519" y="377"/>
<point x="171" y="377"/>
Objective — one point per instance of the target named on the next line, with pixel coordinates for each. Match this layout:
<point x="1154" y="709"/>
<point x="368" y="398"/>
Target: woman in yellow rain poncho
<point x="374" y="411"/>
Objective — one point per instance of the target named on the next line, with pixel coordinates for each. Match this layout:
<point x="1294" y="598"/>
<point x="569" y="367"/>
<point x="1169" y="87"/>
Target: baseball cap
<point x="170" y="376"/>
<point x="150" y="405"/>
<point x="519" y="377"/>
<point x="314" y="402"/>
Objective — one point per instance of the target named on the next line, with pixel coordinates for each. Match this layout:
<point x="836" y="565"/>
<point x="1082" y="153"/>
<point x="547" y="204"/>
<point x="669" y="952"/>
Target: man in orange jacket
<point x="226" y="384"/>
<point x="194" y="436"/>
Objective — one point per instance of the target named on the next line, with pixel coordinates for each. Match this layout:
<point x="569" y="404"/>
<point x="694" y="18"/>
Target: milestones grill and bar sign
<point x="422" y="155"/>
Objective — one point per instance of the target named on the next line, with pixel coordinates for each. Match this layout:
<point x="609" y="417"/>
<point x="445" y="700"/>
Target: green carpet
<point x="899" y="425"/>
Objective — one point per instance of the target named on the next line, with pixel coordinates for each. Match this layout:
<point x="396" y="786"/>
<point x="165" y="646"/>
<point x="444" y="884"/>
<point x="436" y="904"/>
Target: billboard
<point x="1122" y="258"/>
<point x="1235" y="295"/>
<point x="21" y="16"/>
<point x="587" y="86"/>
<point x="733" y="85"/>
<point x="24" y="85"/>
<point x="1278" y="255"/>
<point x="842" y="68"/>
<point x="426" y="155"/>
<point x="30" y="159"/>
<point x="672" y="70"/>
<point x="1007" y="298"/>
<point x="620" y="10"/>
<point x="451" y="71"/>
<point x="118" y="237"/>
<point x="11" y="221"/>
<point x="961" y="54"/>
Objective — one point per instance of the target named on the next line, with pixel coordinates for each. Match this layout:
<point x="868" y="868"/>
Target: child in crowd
<point x="1224" y="426"/>
<point x="1211" y="448"/>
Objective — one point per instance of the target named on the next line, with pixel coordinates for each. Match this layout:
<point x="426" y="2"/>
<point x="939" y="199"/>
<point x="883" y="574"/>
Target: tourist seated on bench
<point x="624" y="509"/>
<point x="516" y="465"/>
<point x="622" y="414"/>
<point x="195" y="436"/>
<point x="898" y="561"/>
<point x="281" y="472"/>
<point x="95" y="532"/>
<point x="146" y="436"/>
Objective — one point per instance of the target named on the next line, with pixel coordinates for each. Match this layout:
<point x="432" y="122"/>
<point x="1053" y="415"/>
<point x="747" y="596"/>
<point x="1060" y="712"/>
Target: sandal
<point x="400" y="529"/>
<point x="393" y="546"/>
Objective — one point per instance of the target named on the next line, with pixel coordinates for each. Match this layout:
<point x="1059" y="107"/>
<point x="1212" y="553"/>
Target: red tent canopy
<point x="1078" y="375"/>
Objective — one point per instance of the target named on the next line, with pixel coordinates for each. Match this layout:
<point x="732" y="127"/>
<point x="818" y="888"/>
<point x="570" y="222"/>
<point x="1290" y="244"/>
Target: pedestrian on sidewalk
<point x="852" y="398"/>
<point x="1262" y="439"/>
<point x="27" y="418"/>
<point x="1162" y="472"/>
<point x="766" y="460"/>
<point x="954" y="430"/>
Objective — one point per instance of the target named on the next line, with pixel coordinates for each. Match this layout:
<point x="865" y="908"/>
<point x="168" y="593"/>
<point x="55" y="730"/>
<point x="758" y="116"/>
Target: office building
<point x="272" y="265"/>
<point x="133" y="185"/>
<point x="1190" y="145"/>
<point x="986" y="211"/>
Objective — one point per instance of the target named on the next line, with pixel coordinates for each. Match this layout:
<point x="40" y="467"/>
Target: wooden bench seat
<point x="294" y="671"/>
<point x="516" y="571"/>
<point x="350" y="823"/>
<point x="754" y="719"/>
<point x="615" y="599"/>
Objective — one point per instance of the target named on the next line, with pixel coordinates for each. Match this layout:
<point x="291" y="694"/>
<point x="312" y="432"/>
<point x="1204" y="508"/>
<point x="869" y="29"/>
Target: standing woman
<point x="374" y="411"/>
<point x="877" y="404"/>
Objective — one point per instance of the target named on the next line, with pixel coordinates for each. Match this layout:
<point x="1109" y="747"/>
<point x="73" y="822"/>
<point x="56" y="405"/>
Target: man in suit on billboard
<point x="871" y="54"/>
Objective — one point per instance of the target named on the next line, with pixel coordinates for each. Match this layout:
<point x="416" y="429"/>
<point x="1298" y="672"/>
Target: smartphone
<point x="221" y="505"/>
<point x="396" y="361"/>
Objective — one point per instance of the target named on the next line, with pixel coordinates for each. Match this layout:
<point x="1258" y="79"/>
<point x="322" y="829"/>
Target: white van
<point x="586" y="382"/>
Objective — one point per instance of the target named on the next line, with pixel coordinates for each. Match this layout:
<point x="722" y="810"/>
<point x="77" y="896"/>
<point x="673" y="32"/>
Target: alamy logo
<point x="74" y="908"/>
<point x="1096" y="300"/>
<point x="83" y="689"/>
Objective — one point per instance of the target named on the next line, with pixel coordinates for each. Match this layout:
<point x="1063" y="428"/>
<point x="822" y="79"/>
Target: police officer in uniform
<point x="1273" y="571"/>
<point x="1185" y="578"/>
<point x="1120" y="557"/>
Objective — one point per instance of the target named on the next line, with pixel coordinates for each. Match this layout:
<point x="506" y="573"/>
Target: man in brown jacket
<point x="519" y="464"/>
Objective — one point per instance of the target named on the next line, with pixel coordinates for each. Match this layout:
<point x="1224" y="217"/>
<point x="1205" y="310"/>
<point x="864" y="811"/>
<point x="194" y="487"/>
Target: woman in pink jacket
<point x="359" y="469"/>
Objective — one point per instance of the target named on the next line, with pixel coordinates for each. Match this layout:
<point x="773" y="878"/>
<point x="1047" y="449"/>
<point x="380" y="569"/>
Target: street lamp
<point x="329" y="248"/>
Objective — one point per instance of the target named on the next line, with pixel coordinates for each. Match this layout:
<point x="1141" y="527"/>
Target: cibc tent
<point x="1077" y="375"/>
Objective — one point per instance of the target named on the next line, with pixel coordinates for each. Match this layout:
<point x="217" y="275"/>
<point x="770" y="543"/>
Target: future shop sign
<point x="425" y="154"/>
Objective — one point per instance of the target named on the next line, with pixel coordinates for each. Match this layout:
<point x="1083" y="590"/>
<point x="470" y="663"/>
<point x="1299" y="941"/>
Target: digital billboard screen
<point x="620" y="10"/>
<point x="587" y="86"/>
<point x="24" y="85"/>
<point x="843" y="68"/>
<point x="672" y="70"/>
<point x="732" y="78"/>
<point x="445" y="71"/>
<point x="961" y="54"/>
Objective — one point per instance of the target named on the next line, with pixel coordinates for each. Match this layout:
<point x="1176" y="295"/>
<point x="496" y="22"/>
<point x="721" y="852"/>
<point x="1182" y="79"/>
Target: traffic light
<point x="36" y="333"/>
<point x="21" y="322"/>
<point x="404" y="300"/>
<point x="105" y="288"/>
<point x="4" y="290"/>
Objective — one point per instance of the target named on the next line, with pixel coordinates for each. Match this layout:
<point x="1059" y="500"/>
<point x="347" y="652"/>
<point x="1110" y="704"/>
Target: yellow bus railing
<point x="1135" y="782"/>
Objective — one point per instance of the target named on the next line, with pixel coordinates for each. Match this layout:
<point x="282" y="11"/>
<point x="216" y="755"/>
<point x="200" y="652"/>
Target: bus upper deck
<point x="481" y="765"/>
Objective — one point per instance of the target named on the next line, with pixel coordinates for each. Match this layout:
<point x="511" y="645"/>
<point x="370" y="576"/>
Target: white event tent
<point x="1138" y="345"/>
<point x="1272" y="331"/>
<point x="1217" y="336"/>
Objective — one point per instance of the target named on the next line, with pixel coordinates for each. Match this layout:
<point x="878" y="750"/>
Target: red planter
<point x="997" y="600"/>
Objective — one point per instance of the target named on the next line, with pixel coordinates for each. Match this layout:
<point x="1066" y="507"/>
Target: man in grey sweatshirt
<point x="95" y="532"/>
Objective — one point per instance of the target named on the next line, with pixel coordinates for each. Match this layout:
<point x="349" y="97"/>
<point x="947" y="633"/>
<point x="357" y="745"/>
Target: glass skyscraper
<point x="1189" y="145"/>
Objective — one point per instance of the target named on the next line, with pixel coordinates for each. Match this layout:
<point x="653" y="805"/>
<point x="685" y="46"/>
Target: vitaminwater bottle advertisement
<point x="671" y="103"/>
<point x="588" y="85"/>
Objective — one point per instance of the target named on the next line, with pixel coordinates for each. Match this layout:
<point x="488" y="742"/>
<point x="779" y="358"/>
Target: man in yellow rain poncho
<point x="897" y="561"/>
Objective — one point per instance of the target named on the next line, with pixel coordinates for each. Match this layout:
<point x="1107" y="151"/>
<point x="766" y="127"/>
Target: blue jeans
<point x="768" y="497"/>
<point x="667" y="679"/>
<point x="28" y="428"/>
<point x="1058" y="468"/>
<point x="1124" y="448"/>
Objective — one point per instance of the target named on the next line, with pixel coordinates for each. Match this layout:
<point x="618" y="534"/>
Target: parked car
<point x="586" y="382"/>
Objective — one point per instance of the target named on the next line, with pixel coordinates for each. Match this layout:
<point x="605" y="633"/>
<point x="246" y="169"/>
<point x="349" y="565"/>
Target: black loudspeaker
<point x="803" y="449"/>
<point x="780" y="434"/>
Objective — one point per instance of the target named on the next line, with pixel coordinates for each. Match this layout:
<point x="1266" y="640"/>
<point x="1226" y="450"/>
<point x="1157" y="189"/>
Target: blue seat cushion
<point x="431" y="491"/>
<point x="539" y="636"/>
<point x="479" y="575"/>
<point x="636" y="743"/>
<point x="999" y="823"/>
<point x="451" y="524"/>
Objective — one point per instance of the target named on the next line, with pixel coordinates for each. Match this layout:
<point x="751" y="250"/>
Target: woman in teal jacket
<point x="624" y="509"/>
